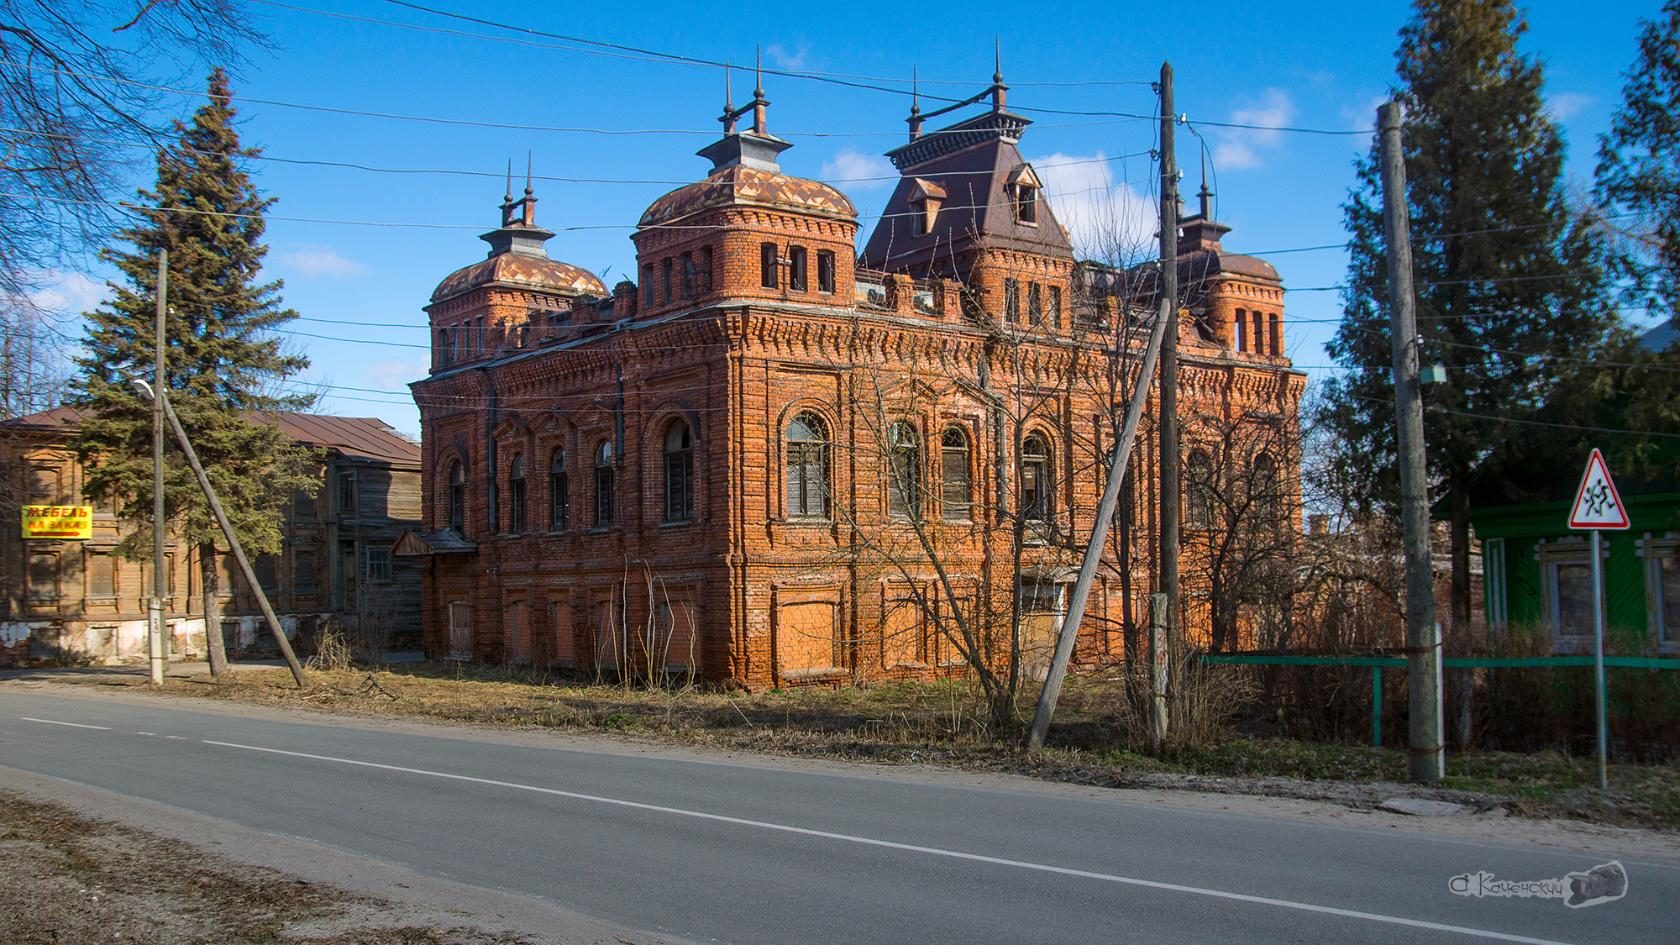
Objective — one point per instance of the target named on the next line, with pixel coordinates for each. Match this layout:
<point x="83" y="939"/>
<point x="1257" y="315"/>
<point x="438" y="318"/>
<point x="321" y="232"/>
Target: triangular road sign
<point x="1597" y="503"/>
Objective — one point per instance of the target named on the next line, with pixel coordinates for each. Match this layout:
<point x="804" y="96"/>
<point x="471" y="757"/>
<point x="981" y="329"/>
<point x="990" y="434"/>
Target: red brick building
<point x="776" y="460"/>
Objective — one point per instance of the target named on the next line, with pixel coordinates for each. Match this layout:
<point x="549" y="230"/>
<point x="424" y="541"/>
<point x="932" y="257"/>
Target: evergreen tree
<point x="1639" y="167"/>
<point x="223" y="360"/>
<point x="1508" y="278"/>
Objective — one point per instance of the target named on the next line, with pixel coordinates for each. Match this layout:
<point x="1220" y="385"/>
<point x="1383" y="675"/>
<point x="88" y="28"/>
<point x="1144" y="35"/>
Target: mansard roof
<point x="977" y="164"/>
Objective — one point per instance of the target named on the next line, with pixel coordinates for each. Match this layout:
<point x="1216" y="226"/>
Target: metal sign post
<point x="1598" y="507"/>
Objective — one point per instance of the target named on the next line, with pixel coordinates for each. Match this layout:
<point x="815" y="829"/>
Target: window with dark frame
<point x="689" y="277"/>
<point x="807" y="467"/>
<point x="1199" y="490"/>
<point x="1055" y="306"/>
<point x="1036" y="481"/>
<point x="378" y="567"/>
<point x="665" y="284"/>
<point x="955" y="489"/>
<point x="604" y="484"/>
<point x="1011" y="300"/>
<point x="904" y="471"/>
<point x="767" y="264"/>
<point x="679" y="473"/>
<point x="825" y="271"/>
<point x="457" y="496"/>
<point x="1035" y="304"/>
<point x="647" y="287"/>
<point x="559" y="492"/>
<point x="798" y="270"/>
<point x="516" y="495"/>
<point x="705" y="269"/>
<point x="1026" y="204"/>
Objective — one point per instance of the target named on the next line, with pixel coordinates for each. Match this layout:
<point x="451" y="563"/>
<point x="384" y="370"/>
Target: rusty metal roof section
<point x="524" y="271"/>
<point x="354" y="437"/>
<point x="363" y="438"/>
<point x="742" y="185"/>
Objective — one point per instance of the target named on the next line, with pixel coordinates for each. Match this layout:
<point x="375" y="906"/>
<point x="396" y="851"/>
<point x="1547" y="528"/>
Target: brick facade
<point x="742" y="404"/>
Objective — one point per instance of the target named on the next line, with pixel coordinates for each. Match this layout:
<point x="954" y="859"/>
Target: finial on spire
<point x="527" y="172"/>
<point x="1205" y="195"/>
<point x="760" y="103"/>
<point x="915" y="119"/>
<point x="728" y="117"/>
<point x="999" y="90"/>
<point x="507" y="196"/>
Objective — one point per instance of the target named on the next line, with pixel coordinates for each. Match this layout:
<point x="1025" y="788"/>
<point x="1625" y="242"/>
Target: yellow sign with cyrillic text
<point x="63" y="522"/>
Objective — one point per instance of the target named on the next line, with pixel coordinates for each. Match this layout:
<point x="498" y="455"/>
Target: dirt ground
<point x="67" y="879"/>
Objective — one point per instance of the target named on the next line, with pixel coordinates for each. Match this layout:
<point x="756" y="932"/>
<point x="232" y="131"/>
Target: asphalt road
<point x="742" y="852"/>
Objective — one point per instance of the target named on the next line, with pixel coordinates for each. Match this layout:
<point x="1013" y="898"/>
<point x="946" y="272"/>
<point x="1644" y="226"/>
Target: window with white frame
<point x="1662" y="589"/>
<point x="1566" y="579"/>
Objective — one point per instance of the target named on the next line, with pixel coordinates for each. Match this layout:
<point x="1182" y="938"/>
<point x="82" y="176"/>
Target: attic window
<point x="1026" y="204"/>
<point x="926" y="198"/>
<point x="1023" y="186"/>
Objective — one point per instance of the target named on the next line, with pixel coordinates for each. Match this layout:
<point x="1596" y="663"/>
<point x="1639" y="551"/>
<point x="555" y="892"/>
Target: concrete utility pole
<point x="1423" y="636"/>
<point x="1118" y="460"/>
<point x="227" y="532"/>
<point x="1169" y="496"/>
<point x="155" y="615"/>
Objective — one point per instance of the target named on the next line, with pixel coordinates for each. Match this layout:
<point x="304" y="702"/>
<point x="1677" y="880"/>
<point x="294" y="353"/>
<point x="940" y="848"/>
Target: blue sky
<point x="1320" y="65"/>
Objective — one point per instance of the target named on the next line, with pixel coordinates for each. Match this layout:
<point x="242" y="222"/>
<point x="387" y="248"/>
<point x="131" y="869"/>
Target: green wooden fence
<point x="1379" y="663"/>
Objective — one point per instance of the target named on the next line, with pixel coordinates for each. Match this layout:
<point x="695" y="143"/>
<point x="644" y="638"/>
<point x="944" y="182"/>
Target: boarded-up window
<point x="460" y="630"/>
<point x="806" y="632"/>
<point x="607" y="627"/>
<point x="44" y="484"/>
<point x="518" y="632"/>
<point x="679" y="645"/>
<point x="101" y="575"/>
<point x="43" y="576"/>
<point x="563" y="642"/>
<point x="306" y="574"/>
<point x="901" y="626"/>
<point x="266" y="567"/>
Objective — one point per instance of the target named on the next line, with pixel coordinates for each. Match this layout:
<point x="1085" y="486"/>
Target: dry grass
<point x="1097" y="739"/>
<point x="66" y="878"/>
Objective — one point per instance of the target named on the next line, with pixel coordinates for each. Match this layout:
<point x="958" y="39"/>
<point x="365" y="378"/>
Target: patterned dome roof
<point x="524" y="270"/>
<point x="741" y="185"/>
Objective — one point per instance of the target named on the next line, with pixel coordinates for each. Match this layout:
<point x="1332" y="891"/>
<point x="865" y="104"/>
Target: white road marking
<point x="917" y="848"/>
<point x="99" y="728"/>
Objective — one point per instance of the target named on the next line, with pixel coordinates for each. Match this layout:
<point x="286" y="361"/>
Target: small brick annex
<point x="705" y="459"/>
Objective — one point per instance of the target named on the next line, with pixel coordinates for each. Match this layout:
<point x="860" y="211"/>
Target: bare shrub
<point x="332" y="648"/>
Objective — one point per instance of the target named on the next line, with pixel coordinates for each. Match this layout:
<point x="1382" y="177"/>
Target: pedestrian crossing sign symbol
<point x="1597" y="504"/>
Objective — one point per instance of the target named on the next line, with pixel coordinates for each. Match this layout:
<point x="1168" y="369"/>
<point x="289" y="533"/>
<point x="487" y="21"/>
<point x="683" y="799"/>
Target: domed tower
<point x="747" y="230"/>
<point x="498" y="301"/>
<point x="1236" y="301"/>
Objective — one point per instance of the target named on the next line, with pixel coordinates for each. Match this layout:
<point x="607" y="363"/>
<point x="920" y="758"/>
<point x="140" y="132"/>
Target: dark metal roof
<point x="353" y="437"/>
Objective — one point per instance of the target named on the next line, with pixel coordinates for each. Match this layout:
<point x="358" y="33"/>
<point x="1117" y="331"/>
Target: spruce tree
<point x="1639" y="168"/>
<point x="1509" y="281"/>
<point x="224" y="362"/>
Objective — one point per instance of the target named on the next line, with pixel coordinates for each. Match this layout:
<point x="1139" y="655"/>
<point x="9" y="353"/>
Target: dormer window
<point x="926" y="198"/>
<point x="1022" y="187"/>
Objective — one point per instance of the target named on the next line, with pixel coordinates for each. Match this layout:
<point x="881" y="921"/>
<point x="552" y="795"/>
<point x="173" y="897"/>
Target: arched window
<point x="1275" y="343"/>
<point x="457" y="496"/>
<point x="1037" y="484"/>
<point x="1199" y="492"/>
<point x="904" y="471"/>
<point x="559" y="492"/>
<point x="604" y="484"/>
<point x="516" y="495"/>
<point x="1265" y="496"/>
<point x="679" y="473"/>
<point x="1240" y="334"/>
<point x="1258" y="337"/>
<point x="955" y="495"/>
<point x="807" y="467"/>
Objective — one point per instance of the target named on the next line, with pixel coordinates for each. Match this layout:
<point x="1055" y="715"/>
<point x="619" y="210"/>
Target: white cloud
<point x="1105" y="218"/>
<point x="783" y="58"/>
<point x="1566" y="105"/>
<point x="321" y="262"/>
<point x="395" y="375"/>
<point x="857" y="170"/>
<point x="68" y="292"/>
<point x="1244" y="148"/>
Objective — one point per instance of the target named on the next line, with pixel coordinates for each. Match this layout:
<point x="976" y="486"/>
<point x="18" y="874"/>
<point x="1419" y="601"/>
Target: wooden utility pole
<point x="155" y="615"/>
<point x="1169" y="496"/>
<point x="1165" y="326"/>
<point x="1423" y="635"/>
<point x="228" y="533"/>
